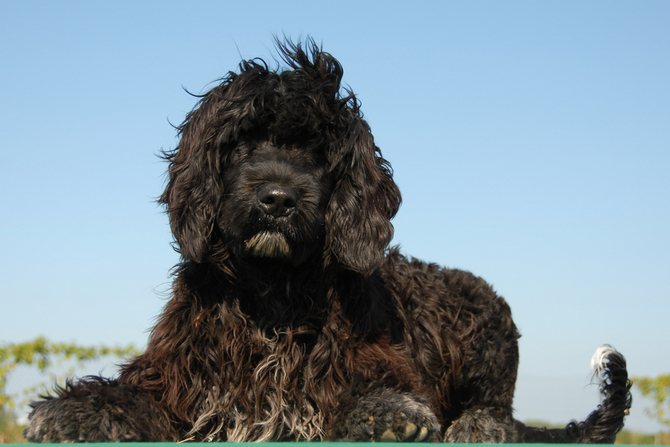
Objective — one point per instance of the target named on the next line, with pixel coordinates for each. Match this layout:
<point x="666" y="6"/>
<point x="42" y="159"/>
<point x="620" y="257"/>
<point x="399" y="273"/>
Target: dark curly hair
<point x="291" y="317"/>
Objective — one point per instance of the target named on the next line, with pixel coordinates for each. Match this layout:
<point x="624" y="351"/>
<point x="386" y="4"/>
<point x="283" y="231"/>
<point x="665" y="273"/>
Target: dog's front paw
<point x="39" y="429"/>
<point x="49" y="423"/>
<point x="98" y="410"/>
<point x="391" y="416"/>
<point x="487" y="425"/>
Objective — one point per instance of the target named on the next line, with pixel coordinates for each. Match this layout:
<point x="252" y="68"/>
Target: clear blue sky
<point x="531" y="141"/>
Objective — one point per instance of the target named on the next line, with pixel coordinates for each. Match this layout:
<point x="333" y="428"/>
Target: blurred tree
<point x="44" y="354"/>
<point x="658" y="390"/>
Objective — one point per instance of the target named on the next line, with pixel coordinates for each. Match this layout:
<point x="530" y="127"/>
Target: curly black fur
<point x="291" y="318"/>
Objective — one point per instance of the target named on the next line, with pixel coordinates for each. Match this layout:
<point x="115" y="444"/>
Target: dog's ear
<point x="194" y="191"/>
<point x="364" y="200"/>
<point x="365" y="197"/>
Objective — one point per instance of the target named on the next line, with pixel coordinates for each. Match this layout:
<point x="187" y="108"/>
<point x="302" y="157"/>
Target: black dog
<point x="291" y="318"/>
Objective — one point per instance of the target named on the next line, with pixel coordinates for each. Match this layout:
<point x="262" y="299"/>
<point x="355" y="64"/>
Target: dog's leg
<point x="389" y="416"/>
<point x="486" y="401"/>
<point x="98" y="410"/>
<point x="484" y="389"/>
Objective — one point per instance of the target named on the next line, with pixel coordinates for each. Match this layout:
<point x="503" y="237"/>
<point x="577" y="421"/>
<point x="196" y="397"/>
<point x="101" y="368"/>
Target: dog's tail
<point x="601" y="426"/>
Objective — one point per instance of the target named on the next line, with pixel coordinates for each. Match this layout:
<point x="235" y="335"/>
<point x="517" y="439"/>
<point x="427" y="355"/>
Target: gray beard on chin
<point x="268" y="245"/>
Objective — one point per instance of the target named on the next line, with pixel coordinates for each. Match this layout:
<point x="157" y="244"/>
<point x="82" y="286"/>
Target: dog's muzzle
<point x="277" y="202"/>
<point x="268" y="244"/>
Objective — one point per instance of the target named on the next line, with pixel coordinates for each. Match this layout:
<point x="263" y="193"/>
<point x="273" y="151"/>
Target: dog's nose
<point x="277" y="200"/>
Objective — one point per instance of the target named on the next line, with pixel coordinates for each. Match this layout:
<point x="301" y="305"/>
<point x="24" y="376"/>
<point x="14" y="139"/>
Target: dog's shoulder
<point x="422" y="287"/>
<point x="415" y="276"/>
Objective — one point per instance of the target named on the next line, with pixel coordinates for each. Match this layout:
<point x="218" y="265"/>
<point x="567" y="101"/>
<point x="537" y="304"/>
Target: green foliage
<point x="658" y="390"/>
<point x="631" y="438"/>
<point x="44" y="354"/>
<point x="10" y="431"/>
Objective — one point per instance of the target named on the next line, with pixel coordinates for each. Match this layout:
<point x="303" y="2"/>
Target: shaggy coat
<point x="291" y="318"/>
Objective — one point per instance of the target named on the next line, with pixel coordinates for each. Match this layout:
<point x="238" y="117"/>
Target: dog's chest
<point x="267" y="394"/>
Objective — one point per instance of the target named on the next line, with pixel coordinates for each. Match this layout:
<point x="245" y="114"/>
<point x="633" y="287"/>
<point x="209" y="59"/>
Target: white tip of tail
<point x="599" y="360"/>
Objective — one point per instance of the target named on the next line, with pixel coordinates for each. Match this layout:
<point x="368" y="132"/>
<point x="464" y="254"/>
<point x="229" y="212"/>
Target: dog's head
<point x="280" y="165"/>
